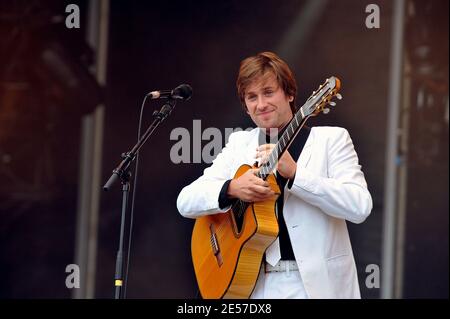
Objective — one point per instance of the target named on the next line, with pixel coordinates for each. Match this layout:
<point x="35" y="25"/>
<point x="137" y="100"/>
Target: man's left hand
<point x="287" y="167"/>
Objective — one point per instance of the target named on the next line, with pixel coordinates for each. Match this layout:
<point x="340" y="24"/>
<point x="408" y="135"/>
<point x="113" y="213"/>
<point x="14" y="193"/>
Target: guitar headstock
<point x="320" y="99"/>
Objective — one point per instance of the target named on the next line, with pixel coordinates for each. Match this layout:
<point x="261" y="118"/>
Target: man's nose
<point x="262" y="103"/>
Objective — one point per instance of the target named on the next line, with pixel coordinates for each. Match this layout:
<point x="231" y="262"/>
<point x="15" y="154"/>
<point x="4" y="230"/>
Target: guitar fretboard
<point x="313" y="105"/>
<point x="283" y="143"/>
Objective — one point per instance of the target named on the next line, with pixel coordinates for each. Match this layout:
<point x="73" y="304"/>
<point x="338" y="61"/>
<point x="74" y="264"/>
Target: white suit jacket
<point x="329" y="188"/>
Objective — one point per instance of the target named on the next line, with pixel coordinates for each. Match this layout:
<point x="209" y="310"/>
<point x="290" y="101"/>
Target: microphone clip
<point x="165" y="110"/>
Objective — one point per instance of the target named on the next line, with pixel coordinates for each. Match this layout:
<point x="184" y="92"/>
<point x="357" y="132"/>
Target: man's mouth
<point x="265" y="113"/>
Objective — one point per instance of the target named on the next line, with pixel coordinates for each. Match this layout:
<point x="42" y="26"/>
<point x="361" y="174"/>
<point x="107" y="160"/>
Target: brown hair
<point x="256" y="66"/>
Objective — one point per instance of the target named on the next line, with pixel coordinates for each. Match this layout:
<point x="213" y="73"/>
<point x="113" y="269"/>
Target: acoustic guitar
<point x="227" y="248"/>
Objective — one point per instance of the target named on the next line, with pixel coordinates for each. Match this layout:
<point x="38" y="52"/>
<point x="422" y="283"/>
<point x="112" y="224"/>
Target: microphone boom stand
<point x="122" y="172"/>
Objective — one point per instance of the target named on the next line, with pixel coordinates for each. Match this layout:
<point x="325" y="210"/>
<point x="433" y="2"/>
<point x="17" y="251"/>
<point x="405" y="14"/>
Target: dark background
<point x="159" y="45"/>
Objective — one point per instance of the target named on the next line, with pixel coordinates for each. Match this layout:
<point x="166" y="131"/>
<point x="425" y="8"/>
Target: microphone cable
<point x="133" y="200"/>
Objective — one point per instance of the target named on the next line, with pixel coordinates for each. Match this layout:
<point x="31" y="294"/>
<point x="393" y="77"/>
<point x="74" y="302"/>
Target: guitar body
<point x="227" y="254"/>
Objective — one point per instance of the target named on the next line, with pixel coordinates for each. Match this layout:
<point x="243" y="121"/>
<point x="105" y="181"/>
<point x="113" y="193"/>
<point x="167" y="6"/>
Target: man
<point x="321" y="181"/>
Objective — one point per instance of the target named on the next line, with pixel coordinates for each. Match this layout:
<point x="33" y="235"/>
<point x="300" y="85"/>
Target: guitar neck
<point x="314" y="105"/>
<point x="286" y="139"/>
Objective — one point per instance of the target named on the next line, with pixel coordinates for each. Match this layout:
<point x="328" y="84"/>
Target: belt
<point x="282" y="265"/>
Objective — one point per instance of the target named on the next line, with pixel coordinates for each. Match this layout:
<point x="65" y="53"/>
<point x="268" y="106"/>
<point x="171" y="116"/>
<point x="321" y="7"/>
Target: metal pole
<point x="91" y="150"/>
<point x="391" y="173"/>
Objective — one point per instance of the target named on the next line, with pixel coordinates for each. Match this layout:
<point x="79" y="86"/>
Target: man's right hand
<point x="250" y="188"/>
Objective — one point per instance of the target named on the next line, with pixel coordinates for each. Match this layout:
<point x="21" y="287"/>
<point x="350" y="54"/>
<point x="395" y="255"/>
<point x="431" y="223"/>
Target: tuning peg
<point x="339" y="96"/>
<point x="332" y="103"/>
<point x="326" y="110"/>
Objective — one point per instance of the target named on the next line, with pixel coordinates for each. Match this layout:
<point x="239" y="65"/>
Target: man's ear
<point x="291" y="98"/>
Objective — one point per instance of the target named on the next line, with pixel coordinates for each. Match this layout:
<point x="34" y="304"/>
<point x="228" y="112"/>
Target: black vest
<point x="295" y="150"/>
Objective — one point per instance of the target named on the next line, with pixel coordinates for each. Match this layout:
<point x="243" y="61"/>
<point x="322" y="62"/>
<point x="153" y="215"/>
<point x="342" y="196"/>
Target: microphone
<point x="181" y="92"/>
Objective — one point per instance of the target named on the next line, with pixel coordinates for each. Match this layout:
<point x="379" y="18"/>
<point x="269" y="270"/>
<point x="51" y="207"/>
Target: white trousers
<point x="279" y="285"/>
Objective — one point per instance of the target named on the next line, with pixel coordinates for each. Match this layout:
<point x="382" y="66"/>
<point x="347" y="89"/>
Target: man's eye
<point x="251" y="97"/>
<point x="268" y="93"/>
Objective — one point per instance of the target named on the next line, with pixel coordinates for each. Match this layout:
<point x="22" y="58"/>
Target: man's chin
<point x="268" y="125"/>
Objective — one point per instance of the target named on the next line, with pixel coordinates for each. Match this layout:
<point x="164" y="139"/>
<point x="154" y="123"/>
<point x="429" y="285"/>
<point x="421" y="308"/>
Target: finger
<point x="262" y="190"/>
<point x="262" y="160"/>
<point x="265" y="147"/>
<point x="263" y="153"/>
<point x="259" y="190"/>
<point x="260" y="182"/>
<point x="254" y="178"/>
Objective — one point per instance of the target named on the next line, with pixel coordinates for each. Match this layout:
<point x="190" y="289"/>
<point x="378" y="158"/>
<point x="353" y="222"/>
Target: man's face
<point x="267" y="104"/>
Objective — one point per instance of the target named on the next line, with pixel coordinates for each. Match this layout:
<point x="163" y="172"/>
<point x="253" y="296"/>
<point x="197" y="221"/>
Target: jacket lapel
<point x="304" y="157"/>
<point x="305" y="154"/>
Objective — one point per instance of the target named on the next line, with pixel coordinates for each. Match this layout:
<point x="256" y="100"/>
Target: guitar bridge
<point x="215" y="245"/>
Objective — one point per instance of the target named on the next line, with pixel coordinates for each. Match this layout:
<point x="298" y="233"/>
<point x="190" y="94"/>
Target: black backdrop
<point x="163" y="45"/>
<point x="158" y="45"/>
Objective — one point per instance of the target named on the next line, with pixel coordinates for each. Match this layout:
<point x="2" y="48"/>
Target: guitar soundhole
<point x="239" y="213"/>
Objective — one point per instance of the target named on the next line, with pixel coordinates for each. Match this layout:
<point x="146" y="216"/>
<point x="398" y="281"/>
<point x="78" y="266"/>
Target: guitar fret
<point x="272" y="160"/>
<point x="280" y="142"/>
